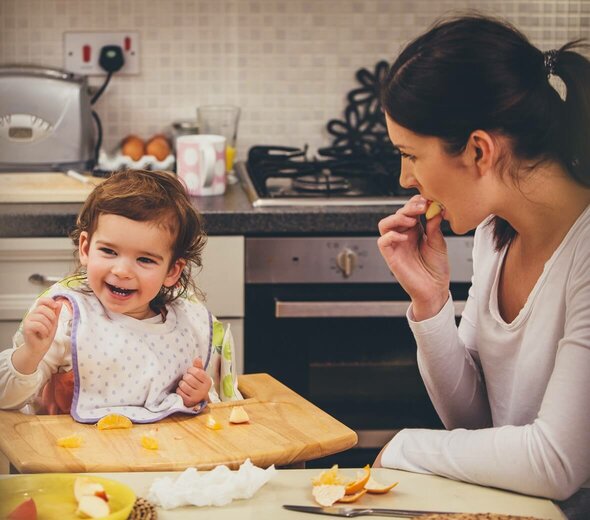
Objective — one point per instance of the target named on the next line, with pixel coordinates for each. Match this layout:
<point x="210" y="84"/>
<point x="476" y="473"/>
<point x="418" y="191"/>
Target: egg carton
<point x="146" y="162"/>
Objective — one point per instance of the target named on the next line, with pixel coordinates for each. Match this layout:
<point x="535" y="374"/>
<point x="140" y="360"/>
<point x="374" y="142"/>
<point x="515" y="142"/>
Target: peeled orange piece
<point x="149" y="442"/>
<point x="433" y="209"/>
<point x="358" y="484"/>
<point x="71" y="441"/>
<point x="352" y="498"/>
<point x="114" y="421"/>
<point x="326" y="494"/>
<point x="372" y="486"/>
<point x="212" y="423"/>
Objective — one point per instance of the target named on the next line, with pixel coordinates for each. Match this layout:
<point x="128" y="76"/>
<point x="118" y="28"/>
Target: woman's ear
<point x="174" y="273"/>
<point x="482" y="149"/>
<point x="84" y="248"/>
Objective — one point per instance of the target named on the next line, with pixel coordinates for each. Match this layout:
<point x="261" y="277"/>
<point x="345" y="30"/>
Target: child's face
<point x="127" y="263"/>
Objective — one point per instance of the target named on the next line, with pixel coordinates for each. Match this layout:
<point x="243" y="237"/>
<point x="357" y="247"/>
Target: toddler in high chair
<point x="126" y="334"/>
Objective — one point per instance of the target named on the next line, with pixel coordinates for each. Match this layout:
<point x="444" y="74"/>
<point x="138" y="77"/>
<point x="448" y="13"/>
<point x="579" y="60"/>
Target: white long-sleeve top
<point x="514" y="397"/>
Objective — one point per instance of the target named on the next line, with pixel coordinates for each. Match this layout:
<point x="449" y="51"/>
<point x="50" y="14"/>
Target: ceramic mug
<point x="200" y="163"/>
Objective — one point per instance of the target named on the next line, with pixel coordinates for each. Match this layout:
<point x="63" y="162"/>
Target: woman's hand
<point x="417" y="258"/>
<point x="194" y="385"/>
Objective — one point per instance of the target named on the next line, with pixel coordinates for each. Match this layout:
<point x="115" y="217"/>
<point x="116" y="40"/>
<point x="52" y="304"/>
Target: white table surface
<point x="414" y="491"/>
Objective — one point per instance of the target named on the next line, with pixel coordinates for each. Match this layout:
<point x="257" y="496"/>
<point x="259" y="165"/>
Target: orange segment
<point x="212" y="423"/>
<point x="114" y="421"/>
<point x="149" y="442"/>
<point x="352" y="498"/>
<point x="358" y="484"/>
<point x="372" y="486"/>
<point x="71" y="441"/>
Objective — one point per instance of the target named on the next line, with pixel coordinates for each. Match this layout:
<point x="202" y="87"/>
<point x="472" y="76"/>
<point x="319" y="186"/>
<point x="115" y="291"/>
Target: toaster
<point x="45" y="120"/>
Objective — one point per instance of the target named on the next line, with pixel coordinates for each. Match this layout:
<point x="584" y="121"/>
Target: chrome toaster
<point x="45" y="120"/>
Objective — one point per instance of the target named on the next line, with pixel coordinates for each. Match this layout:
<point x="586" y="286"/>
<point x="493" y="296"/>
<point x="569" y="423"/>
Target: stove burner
<point x="324" y="182"/>
<point x="339" y="172"/>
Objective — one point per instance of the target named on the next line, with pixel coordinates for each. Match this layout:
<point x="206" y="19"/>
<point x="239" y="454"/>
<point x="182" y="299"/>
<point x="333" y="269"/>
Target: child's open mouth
<point x="119" y="291"/>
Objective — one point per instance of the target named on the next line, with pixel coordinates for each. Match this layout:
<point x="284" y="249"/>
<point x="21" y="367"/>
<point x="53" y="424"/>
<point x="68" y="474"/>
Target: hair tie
<point x="550" y="63"/>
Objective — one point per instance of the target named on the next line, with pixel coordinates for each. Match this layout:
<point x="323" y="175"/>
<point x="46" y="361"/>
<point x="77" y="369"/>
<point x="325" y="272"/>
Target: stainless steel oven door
<point x="344" y="344"/>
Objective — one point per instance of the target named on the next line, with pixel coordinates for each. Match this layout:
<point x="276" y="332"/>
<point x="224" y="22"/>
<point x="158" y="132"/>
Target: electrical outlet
<point x="82" y="50"/>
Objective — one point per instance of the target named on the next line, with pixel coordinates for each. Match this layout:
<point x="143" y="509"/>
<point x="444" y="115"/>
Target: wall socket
<point x="82" y="50"/>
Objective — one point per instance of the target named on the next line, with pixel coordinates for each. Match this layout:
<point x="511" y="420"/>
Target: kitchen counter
<point x="228" y="214"/>
<point x="414" y="491"/>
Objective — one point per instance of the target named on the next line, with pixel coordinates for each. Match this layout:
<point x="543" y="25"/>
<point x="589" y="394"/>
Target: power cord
<point x="111" y="60"/>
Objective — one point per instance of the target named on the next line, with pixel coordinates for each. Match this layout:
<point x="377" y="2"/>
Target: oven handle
<point x="362" y="309"/>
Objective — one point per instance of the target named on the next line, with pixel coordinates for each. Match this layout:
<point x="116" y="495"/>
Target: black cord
<point x="99" y="137"/>
<point x="101" y="89"/>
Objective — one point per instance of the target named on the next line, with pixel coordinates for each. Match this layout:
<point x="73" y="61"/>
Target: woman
<point x="498" y="133"/>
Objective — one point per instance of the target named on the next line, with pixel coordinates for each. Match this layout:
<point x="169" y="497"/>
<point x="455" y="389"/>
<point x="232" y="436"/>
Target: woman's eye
<point x="407" y="156"/>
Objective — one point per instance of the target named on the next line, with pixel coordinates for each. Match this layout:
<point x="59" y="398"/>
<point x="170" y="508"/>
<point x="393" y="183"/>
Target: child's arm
<point x="194" y="385"/>
<point x="18" y="387"/>
<point x="39" y="327"/>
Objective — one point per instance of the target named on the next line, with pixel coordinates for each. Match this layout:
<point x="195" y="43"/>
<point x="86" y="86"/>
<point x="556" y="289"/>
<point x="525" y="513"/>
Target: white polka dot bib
<point x="131" y="367"/>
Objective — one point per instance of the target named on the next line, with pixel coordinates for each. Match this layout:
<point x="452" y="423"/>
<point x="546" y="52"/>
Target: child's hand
<point x="194" y="385"/>
<point x="40" y="325"/>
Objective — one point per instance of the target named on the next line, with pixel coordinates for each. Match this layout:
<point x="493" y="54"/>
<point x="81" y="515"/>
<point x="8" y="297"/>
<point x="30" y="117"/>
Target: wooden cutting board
<point x="44" y="187"/>
<point x="284" y="429"/>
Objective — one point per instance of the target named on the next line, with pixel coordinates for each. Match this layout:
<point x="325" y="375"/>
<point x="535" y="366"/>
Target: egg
<point x="159" y="147"/>
<point x="133" y="146"/>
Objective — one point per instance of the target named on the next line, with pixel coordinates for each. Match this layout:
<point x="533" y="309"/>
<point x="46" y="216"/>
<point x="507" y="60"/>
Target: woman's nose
<point x="406" y="179"/>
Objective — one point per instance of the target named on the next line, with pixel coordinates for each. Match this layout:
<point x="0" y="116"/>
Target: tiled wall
<point x="287" y="63"/>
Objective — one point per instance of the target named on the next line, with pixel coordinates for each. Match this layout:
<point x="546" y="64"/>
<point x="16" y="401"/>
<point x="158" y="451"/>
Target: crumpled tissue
<point x="217" y="487"/>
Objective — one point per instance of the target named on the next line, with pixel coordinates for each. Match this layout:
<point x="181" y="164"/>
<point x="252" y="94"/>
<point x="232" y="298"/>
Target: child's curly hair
<point x="149" y="196"/>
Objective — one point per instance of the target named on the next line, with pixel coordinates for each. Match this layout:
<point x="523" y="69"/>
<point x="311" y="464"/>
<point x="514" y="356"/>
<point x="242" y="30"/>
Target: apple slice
<point x="83" y="486"/>
<point x="238" y="415"/>
<point x="433" y="209"/>
<point x="212" y="423"/>
<point x="26" y="510"/>
<point x="91" y="506"/>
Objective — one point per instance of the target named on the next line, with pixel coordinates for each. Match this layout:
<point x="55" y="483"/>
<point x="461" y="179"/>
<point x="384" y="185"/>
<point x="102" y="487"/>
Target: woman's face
<point x="453" y="181"/>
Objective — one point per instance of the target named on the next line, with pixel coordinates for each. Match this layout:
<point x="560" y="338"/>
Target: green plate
<point x="54" y="495"/>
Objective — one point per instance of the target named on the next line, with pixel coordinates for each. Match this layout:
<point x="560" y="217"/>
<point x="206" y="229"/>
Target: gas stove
<point x="338" y="176"/>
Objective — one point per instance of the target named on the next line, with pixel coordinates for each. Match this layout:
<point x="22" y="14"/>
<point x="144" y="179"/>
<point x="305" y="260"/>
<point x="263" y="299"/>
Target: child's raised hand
<point x="194" y="385"/>
<point x="40" y="325"/>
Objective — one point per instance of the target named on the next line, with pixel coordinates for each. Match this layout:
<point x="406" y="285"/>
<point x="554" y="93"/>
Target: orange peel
<point x="347" y="498"/>
<point x="358" y="485"/>
<point x="327" y="494"/>
<point x="149" y="441"/>
<point x="372" y="486"/>
<point x="114" y="421"/>
<point x="329" y="477"/>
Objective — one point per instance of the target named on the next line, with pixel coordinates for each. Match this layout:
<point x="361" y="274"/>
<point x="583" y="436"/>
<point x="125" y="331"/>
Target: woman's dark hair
<point x="150" y="196"/>
<point x="475" y="72"/>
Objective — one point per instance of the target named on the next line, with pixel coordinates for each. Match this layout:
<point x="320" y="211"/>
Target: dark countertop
<point x="228" y="214"/>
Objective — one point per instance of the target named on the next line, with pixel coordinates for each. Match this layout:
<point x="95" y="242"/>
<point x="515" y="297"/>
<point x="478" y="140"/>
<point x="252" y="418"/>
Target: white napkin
<point x="209" y="488"/>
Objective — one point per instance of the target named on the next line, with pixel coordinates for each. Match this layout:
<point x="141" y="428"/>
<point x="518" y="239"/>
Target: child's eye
<point x="145" y="260"/>
<point x="107" y="251"/>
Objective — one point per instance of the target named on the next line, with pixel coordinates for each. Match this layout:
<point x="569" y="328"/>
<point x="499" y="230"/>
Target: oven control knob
<point x="346" y="261"/>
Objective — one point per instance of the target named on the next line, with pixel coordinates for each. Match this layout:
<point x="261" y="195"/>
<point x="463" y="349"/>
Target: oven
<point x="325" y="316"/>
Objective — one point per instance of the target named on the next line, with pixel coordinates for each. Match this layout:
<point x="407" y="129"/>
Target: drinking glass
<point x="221" y="120"/>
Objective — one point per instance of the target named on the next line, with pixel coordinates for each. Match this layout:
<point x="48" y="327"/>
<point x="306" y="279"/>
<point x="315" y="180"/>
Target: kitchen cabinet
<point x="29" y="265"/>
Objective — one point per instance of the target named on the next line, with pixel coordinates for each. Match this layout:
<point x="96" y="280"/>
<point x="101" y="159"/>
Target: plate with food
<point x="64" y="496"/>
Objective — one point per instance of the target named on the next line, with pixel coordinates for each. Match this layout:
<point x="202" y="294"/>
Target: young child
<point x="126" y="333"/>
